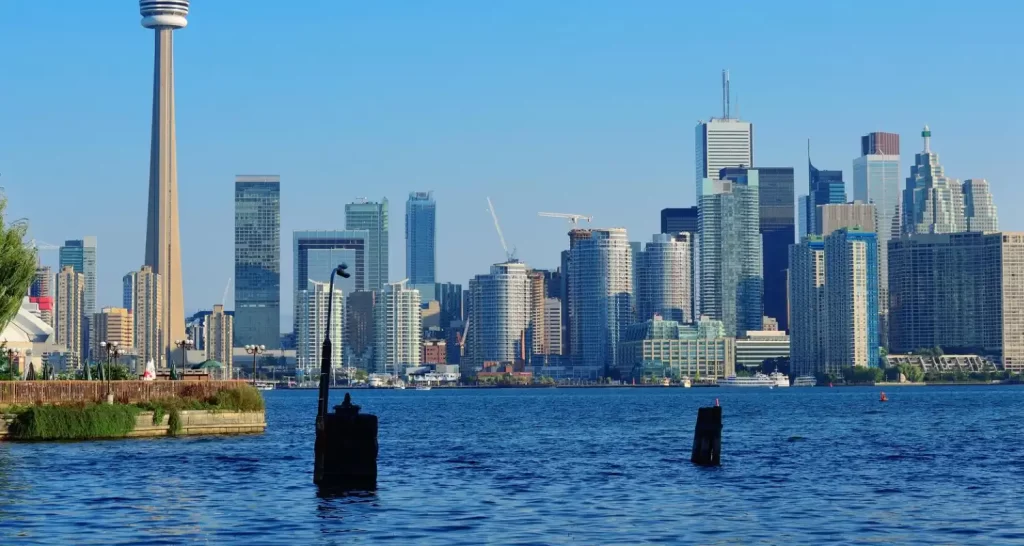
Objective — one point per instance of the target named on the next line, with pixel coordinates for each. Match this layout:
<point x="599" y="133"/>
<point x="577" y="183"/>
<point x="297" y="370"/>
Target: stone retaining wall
<point x="193" y="422"/>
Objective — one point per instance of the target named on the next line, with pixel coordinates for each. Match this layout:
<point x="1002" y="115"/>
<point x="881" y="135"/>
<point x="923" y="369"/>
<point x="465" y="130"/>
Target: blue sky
<point x="576" y="105"/>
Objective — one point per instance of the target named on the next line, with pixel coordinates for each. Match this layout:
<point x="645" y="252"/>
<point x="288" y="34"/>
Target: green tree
<point x="17" y="265"/>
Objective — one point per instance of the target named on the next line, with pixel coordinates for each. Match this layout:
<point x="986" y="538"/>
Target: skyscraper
<point x="776" y="225"/>
<point x="851" y="299"/>
<point x="731" y="275"/>
<point x="112" y="325"/>
<point x="664" y="281"/>
<point x="449" y="295"/>
<point x="876" y="180"/>
<point x="313" y="313"/>
<point x="41" y="293"/>
<point x="979" y="209"/>
<point x="824" y="188"/>
<point x="553" y="333"/>
<point x="420" y="238"/>
<point x="678" y="220"/>
<point x="372" y="217"/>
<point x="847" y="215"/>
<point x="69" y="323"/>
<point x="148" y="316"/>
<point x="163" y="243"/>
<point x="219" y="342"/>
<point x="808" y="316"/>
<point x="317" y="253"/>
<point x="360" y="336"/>
<point x="502" y="313"/>
<point x="257" y="261"/>
<point x="128" y="283"/>
<point x="399" y="328"/>
<point x="601" y="298"/>
<point x="80" y="254"/>
<point x="960" y="292"/>
<point x="932" y="202"/>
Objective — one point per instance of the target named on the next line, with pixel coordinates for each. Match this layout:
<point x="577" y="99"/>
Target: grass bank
<point x="91" y="421"/>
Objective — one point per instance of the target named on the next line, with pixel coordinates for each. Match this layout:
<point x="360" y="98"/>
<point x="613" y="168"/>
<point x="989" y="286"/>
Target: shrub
<point x="74" y="422"/>
<point x="174" y="422"/>
<point x="244" y="398"/>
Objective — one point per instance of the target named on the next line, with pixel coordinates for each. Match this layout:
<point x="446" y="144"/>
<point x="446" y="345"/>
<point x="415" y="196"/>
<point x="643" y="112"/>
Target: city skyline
<point x="783" y="122"/>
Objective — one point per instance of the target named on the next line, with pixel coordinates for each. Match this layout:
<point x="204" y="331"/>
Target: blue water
<point x="554" y="466"/>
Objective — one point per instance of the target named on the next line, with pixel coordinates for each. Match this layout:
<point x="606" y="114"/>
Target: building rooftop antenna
<point x="725" y="94"/>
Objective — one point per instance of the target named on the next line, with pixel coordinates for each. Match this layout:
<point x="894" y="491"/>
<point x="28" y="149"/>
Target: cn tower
<point x="163" y="244"/>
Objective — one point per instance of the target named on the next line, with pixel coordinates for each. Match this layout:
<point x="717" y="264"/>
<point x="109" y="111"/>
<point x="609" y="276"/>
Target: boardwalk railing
<point x="127" y="392"/>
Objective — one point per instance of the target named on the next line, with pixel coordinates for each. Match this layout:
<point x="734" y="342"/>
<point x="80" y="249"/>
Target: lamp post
<point x="184" y="345"/>
<point x="255" y="351"/>
<point x="111" y="347"/>
<point x="325" y="368"/>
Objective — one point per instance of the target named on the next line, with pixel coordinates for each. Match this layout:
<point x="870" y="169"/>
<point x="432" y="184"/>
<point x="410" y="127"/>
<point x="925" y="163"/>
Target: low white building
<point x="32" y="338"/>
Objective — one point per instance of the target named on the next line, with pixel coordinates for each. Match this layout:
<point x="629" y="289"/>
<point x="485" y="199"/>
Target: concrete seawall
<point x="193" y="422"/>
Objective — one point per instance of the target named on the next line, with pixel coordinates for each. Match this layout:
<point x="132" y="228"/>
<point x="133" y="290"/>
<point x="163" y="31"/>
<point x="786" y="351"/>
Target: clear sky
<point x="584" y="106"/>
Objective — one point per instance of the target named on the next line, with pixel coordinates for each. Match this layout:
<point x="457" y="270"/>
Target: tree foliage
<point x="17" y="265"/>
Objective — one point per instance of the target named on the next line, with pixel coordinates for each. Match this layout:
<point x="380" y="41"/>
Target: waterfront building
<point x="316" y="299"/>
<point x="420" y="238"/>
<point x="317" y="253"/>
<point x="257" y="261"/>
<point x="69" y="324"/>
<point x="731" y="278"/>
<point x="961" y="292"/>
<point x="851" y="299"/>
<point x="932" y="202"/>
<point x="163" y="242"/>
<point x="979" y="208"/>
<point x="758" y="346"/>
<point x="680" y="220"/>
<point x="575" y="236"/>
<point x="658" y="348"/>
<point x="553" y="333"/>
<point x="830" y="218"/>
<point x="501" y="315"/>
<point x="664" y="284"/>
<point x="807" y="306"/>
<point x="435" y="351"/>
<point x="219" y="338"/>
<point x="148" y="316"/>
<point x="601" y="295"/>
<point x="111" y="325"/>
<point x="373" y="218"/>
<point x="80" y="254"/>
<point x="399" y="328"/>
<point x="360" y="336"/>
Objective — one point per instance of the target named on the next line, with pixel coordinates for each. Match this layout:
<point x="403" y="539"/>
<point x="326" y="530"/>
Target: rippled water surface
<point x="555" y="466"/>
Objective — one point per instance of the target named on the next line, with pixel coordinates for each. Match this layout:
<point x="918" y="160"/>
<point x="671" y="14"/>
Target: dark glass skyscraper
<point x="257" y="260"/>
<point x="778" y="231"/>
<point x="675" y="221"/>
<point x="825" y="188"/>
<point x="420" y="238"/>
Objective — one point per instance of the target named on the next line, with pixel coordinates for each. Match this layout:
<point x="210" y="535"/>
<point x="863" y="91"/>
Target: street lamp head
<point x="263" y="347"/>
<point x="340" y="270"/>
<point x="103" y="344"/>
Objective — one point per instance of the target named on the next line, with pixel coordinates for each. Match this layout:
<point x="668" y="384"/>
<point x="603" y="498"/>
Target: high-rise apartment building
<point x="148" y="316"/>
<point x="553" y="333"/>
<point x="399" y="328"/>
<point x="111" y="325"/>
<point x="664" y="284"/>
<point x="317" y="253"/>
<point x="41" y="293"/>
<point x="373" y="218"/>
<point x="859" y="215"/>
<point x="219" y="342"/>
<point x="80" y="254"/>
<point x="851" y="299"/>
<point x="979" y="209"/>
<point x="257" y="261"/>
<point x="69" y="323"/>
<point x="420" y="238"/>
<point x="601" y="297"/>
<point x="958" y="291"/>
<point x="776" y="223"/>
<point x="808" y="314"/>
<point x="932" y="202"/>
<point x="316" y="300"/>
<point x="360" y="337"/>
<point x="535" y="335"/>
<point x="731" y="275"/>
<point x="502" y="313"/>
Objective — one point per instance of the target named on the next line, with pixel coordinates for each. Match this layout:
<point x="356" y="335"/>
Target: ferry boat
<point x="776" y="379"/>
<point x="805" y="381"/>
<point x="265" y="385"/>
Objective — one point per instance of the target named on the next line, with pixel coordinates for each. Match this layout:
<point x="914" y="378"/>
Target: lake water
<point x="554" y="466"/>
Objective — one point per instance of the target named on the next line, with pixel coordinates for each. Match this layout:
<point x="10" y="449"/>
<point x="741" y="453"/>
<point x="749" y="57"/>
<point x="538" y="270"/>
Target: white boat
<point x="805" y="381"/>
<point x="423" y="388"/>
<point x="779" y="379"/>
<point x="686" y="383"/>
<point x="757" y="380"/>
<point x="265" y="385"/>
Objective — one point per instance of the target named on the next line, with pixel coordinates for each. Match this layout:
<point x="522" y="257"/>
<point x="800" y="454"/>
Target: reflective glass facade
<point x="257" y="261"/>
<point x="420" y="238"/>
<point x="372" y="217"/>
<point x="316" y="253"/>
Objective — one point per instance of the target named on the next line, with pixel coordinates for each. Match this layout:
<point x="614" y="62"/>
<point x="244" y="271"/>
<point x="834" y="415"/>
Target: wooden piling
<point x="707" y="437"/>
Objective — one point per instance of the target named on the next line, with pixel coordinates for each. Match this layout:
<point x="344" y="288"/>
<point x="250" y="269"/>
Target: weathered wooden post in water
<point x="707" y="437"/>
<point x="345" y="452"/>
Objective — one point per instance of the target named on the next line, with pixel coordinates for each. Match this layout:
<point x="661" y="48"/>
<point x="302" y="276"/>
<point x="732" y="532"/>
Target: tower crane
<point x="574" y="219"/>
<point x="40" y="245"/>
<point x="508" y="255"/>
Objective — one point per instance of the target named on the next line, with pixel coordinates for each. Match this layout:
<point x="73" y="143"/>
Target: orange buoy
<point x="883" y="398"/>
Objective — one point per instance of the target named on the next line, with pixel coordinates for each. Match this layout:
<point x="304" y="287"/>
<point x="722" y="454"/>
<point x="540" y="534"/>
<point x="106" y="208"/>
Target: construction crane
<point x="40" y="245"/>
<point x="574" y="219"/>
<point x="508" y="255"/>
<point x="224" y="298"/>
